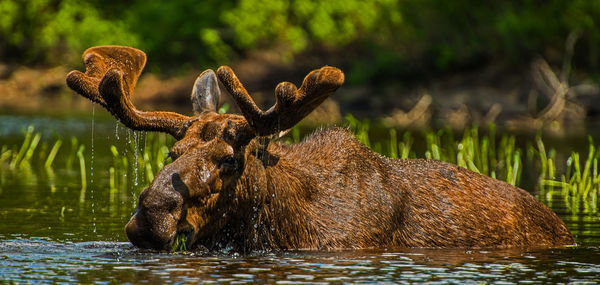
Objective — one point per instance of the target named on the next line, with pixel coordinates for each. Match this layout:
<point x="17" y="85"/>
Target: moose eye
<point x="228" y="164"/>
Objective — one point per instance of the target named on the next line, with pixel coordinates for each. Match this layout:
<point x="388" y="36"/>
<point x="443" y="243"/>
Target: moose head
<point x="214" y="154"/>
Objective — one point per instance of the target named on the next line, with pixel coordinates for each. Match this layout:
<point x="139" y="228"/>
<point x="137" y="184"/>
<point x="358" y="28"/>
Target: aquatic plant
<point x="359" y="128"/>
<point x="576" y="178"/>
<point x="5" y="154"/>
<point x="52" y="154"/>
<point x="579" y="185"/>
<point x="24" y="149"/>
<point x="141" y="158"/>
<point x="83" y="173"/>
<point x="179" y="243"/>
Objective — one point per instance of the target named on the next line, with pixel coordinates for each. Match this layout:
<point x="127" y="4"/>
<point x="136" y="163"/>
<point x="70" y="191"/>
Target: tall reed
<point x="575" y="179"/>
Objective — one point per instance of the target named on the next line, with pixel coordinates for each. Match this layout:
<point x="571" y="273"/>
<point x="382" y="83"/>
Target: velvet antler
<point x="291" y="105"/>
<point x="109" y="79"/>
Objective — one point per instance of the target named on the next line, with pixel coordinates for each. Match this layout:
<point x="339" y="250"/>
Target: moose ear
<point x="206" y="92"/>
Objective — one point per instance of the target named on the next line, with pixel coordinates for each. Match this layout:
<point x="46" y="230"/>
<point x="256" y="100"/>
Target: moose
<point x="232" y="184"/>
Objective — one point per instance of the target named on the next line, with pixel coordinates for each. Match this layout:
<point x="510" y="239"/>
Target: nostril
<point x="134" y="234"/>
<point x="150" y="232"/>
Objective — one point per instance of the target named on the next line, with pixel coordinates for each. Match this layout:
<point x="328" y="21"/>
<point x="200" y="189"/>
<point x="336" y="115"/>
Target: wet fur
<point x="330" y="191"/>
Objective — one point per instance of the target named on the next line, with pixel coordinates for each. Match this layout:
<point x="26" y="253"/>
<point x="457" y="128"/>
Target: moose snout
<point x="151" y="235"/>
<point x="154" y="223"/>
<point x="140" y="235"/>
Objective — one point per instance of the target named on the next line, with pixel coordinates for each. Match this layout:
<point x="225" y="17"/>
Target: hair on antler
<point x="292" y="104"/>
<point x="112" y="72"/>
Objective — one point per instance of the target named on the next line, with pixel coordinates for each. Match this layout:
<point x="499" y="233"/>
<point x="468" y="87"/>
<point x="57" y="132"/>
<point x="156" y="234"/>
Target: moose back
<point x="230" y="185"/>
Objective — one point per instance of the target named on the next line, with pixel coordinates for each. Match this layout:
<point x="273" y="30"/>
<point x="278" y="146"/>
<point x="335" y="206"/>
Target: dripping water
<point x="255" y="214"/>
<point x="136" y="142"/>
<point x="92" y="172"/>
<point x="144" y="162"/>
<point x="132" y="141"/>
<point x="138" y="139"/>
<point x="142" y="149"/>
<point x="122" y="202"/>
<point x="254" y="188"/>
<point x="126" y="154"/>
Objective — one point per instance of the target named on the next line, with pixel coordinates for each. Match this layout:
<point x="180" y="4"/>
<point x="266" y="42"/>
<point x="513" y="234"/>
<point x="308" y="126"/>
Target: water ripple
<point x="30" y="259"/>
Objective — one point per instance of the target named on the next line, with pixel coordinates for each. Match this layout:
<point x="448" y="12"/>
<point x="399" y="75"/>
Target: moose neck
<point x="293" y="198"/>
<point x="272" y="198"/>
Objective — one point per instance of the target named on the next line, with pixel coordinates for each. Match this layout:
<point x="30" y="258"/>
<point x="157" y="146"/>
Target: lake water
<point x="52" y="230"/>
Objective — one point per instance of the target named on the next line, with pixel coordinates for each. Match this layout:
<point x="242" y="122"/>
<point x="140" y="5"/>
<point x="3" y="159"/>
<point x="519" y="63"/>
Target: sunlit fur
<point x="330" y="192"/>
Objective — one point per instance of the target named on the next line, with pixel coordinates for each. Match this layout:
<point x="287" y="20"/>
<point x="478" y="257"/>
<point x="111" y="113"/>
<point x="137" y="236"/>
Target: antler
<point x="109" y="79"/>
<point x="291" y="105"/>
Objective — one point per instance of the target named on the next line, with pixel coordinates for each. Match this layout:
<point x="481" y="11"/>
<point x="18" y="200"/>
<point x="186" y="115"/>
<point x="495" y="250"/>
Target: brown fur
<point x="229" y="187"/>
<point x="332" y="192"/>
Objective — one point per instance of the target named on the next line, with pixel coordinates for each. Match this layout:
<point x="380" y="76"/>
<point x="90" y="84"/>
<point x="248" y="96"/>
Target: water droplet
<point x="204" y="173"/>
<point x="135" y="154"/>
<point x="92" y="171"/>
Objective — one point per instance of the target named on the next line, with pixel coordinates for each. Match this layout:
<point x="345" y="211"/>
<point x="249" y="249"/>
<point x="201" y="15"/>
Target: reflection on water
<point x="47" y="233"/>
<point x="33" y="259"/>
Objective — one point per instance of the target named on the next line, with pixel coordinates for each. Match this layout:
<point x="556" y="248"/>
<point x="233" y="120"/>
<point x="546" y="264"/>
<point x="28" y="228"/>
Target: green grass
<point x="570" y="175"/>
<point x="179" y="244"/>
<point x="83" y="173"/>
<point x="52" y="154"/>
<point x="139" y="161"/>
<point x="579" y="184"/>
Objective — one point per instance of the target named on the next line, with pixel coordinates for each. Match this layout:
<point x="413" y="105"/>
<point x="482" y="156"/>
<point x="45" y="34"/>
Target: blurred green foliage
<point x="298" y="24"/>
<point x="375" y="35"/>
<point x="33" y="31"/>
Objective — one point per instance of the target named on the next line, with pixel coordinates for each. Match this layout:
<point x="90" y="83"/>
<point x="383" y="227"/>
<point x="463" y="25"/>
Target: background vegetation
<point x="375" y="36"/>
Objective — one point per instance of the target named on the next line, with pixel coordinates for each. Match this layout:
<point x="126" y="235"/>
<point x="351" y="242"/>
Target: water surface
<point x="52" y="230"/>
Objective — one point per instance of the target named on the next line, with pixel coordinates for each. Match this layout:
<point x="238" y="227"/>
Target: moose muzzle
<point x="154" y="224"/>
